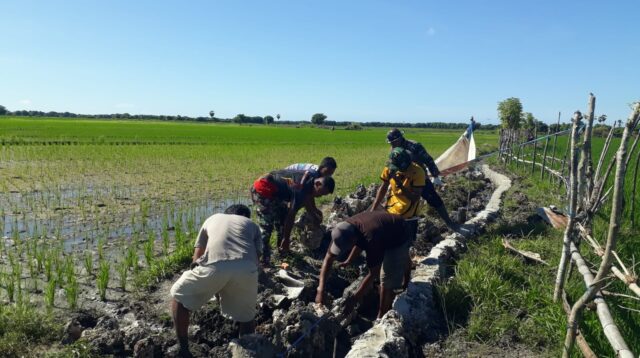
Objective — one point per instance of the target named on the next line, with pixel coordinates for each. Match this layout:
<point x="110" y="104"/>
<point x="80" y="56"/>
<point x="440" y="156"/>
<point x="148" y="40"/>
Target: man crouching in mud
<point x="381" y="235"/>
<point x="225" y="263"/>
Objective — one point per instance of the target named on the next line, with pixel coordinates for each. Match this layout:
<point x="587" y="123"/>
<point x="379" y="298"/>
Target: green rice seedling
<point x="48" y="267"/>
<point x="148" y="249"/>
<point x="100" y="248"/>
<point x="165" y="240"/>
<point x="40" y="258"/>
<point x="10" y="284"/>
<point x="88" y="262"/>
<point x="71" y="292"/>
<point x="50" y="293"/>
<point x="123" y="270"/>
<point x="69" y="269"/>
<point x="131" y="257"/>
<point x="59" y="270"/>
<point x="103" y="279"/>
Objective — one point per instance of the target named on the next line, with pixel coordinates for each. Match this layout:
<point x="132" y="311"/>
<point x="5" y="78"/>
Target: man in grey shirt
<point x="225" y="264"/>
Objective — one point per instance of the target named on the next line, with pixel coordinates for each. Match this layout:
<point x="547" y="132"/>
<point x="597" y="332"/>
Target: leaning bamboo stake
<point x="609" y="326"/>
<point x="582" y="343"/>
<point x="544" y="154"/>
<point x="555" y="141"/>
<point x="573" y="199"/>
<point x="612" y="235"/>
<point x="604" y="151"/>
<point x="627" y="277"/>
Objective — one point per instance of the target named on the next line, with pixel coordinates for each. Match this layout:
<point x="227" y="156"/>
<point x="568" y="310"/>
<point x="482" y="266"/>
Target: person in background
<point x="420" y="156"/>
<point x="326" y="168"/>
<point x="278" y="197"/>
<point x="225" y="263"/>
<point x="381" y="235"/>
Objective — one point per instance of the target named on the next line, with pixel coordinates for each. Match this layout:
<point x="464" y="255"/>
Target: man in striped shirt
<point x="326" y="168"/>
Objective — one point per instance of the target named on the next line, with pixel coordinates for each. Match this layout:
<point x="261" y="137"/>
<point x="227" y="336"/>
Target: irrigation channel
<point x="288" y="322"/>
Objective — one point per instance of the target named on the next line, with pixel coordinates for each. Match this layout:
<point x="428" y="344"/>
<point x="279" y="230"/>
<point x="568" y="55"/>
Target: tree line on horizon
<point x="319" y="119"/>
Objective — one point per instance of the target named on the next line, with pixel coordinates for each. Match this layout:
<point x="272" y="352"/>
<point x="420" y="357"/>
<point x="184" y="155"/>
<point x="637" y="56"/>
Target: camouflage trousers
<point x="271" y="214"/>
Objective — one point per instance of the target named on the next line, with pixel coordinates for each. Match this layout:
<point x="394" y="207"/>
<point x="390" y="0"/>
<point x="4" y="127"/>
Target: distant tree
<point x="240" y="118"/>
<point x="3" y="110"/>
<point x="278" y="116"/>
<point x="212" y="113"/>
<point x="510" y="113"/>
<point x="318" y="118"/>
<point x="602" y="118"/>
<point x="268" y="120"/>
<point x="529" y="121"/>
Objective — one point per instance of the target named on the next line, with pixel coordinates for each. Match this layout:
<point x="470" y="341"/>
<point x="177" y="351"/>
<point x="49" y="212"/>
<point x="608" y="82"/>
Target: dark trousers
<point x="430" y="195"/>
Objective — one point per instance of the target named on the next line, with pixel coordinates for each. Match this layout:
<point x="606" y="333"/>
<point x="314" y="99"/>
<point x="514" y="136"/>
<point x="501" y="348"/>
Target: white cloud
<point x="25" y="102"/>
<point x="431" y="31"/>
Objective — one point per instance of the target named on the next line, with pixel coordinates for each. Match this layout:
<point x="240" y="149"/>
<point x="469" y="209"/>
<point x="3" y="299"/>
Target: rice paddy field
<point x="88" y="207"/>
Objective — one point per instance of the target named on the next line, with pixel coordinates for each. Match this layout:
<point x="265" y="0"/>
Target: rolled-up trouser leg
<point x="266" y="228"/>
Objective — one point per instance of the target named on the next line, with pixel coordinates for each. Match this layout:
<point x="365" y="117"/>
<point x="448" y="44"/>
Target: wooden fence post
<point x="544" y="155"/>
<point x="612" y="236"/>
<point x="573" y="199"/>
<point x="555" y="141"/>
<point x="535" y="147"/>
<point x="633" y="192"/>
<point x="564" y="161"/>
<point x="585" y="168"/>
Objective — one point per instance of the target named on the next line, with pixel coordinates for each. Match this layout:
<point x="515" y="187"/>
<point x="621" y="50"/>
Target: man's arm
<point x="324" y="272"/>
<point x="286" y="230"/>
<point x="201" y="244"/>
<point x="355" y="252"/>
<point x="310" y="206"/>
<point x="382" y="191"/>
<point x="428" y="161"/>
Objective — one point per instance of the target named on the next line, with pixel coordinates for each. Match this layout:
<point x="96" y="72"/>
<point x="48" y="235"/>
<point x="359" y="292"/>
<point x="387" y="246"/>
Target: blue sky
<point x="413" y="61"/>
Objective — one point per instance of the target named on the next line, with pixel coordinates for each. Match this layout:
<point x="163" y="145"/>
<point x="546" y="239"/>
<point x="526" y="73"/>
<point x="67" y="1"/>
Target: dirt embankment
<point x="288" y="322"/>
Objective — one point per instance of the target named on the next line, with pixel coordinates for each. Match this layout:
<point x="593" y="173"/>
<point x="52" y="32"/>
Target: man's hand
<point x="437" y="181"/>
<point x="284" y="246"/>
<point x="344" y="264"/>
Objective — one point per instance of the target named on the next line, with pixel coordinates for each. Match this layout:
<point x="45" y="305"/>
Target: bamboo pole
<point x="609" y="326"/>
<point x="544" y="155"/>
<point x="612" y="235"/>
<point x="573" y="199"/>
<point x="555" y="141"/>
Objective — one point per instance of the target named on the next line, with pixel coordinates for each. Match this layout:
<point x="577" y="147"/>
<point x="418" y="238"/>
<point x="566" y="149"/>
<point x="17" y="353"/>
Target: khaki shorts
<point x="236" y="281"/>
<point x="394" y="266"/>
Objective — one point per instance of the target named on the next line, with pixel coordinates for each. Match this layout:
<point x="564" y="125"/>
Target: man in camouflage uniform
<point x="278" y="196"/>
<point x="420" y="156"/>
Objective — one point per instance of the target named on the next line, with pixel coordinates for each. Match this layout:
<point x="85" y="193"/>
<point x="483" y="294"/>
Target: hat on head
<point x="342" y="238"/>
<point x="393" y="135"/>
<point x="399" y="160"/>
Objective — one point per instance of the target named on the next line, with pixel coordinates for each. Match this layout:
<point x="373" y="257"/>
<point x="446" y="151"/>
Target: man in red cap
<point x="278" y="197"/>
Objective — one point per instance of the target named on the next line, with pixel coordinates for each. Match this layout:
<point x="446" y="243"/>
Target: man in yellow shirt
<point x="406" y="179"/>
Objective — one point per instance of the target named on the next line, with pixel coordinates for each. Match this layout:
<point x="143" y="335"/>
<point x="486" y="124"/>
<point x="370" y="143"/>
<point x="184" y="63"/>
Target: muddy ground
<point x="140" y="324"/>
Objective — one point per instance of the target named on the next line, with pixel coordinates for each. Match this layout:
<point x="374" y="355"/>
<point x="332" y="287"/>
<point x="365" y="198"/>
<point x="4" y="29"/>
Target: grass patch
<point x="23" y="328"/>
